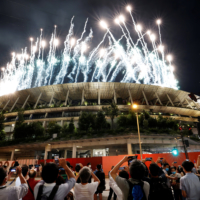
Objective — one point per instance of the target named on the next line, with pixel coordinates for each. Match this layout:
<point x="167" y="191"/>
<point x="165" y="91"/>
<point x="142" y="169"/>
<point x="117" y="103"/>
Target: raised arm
<point x="95" y="177"/>
<point x="68" y="171"/>
<point x="114" y="171"/>
<point x="19" y="173"/>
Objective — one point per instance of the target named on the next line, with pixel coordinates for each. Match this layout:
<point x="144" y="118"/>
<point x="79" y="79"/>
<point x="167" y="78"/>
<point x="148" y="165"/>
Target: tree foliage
<point x="71" y="126"/>
<point x="53" y="128"/>
<point x="111" y="111"/>
<point x="86" y="121"/>
<point x="2" y="132"/>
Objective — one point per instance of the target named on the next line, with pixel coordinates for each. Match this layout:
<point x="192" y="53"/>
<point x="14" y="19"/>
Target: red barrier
<point x="73" y="161"/>
<point x="109" y="161"/>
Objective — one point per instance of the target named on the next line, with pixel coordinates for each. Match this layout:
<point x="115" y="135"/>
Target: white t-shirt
<point x="85" y="192"/>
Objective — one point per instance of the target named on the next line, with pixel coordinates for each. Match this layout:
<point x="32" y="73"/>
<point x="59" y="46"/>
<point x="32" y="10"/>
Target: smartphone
<point x="61" y="169"/>
<point x="13" y="169"/>
<point x="148" y="159"/>
<point x="161" y="158"/>
<point x="121" y="168"/>
<point x="131" y="158"/>
<point x="175" y="162"/>
<point x="36" y="166"/>
<point x="30" y="166"/>
<point x="77" y="164"/>
<point x="187" y="159"/>
<point x="57" y="161"/>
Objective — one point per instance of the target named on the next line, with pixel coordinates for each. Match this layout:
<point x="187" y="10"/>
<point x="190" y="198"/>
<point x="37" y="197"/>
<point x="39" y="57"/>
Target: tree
<point x="152" y="122"/>
<point x="2" y="132"/>
<point x="101" y="122"/>
<point x="86" y="121"/>
<point x="122" y="121"/>
<point x="53" y="127"/>
<point x="71" y="126"/>
<point x="64" y="129"/>
<point x="112" y="111"/>
<point x="145" y="123"/>
<point x="34" y="129"/>
<point x="20" y="126"/>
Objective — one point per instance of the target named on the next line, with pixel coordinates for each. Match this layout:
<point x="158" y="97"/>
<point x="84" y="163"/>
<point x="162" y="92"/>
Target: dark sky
<point x="20" y="19"/>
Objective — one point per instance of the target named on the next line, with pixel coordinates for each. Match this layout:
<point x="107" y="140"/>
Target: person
<point x="48" y="187"/>
<point x="24" y="173"/>
<point x="77" y="169"/>
<point x="89" y="165"/>
<point x="111" y="190"/>
<point x="166" y="172"/>
<point x="176" y="183"/>
<point x="134" y="186"/>
<point x="189" y="184"/>
<point x="60" y="180"/>
<point x="101" y="187"/>
<point x="114" y="186"/>
<point x="12" y="192"/>
<point x="31" y="184"/>
<point x="158" y="187"/>
<point x="85" y="190"/>
<point x="97" y="170"/>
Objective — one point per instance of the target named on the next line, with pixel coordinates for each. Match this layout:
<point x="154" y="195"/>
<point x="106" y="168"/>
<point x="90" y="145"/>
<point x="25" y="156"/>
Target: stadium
<point x="62" y="102"/>
<point x="84" y="78"/>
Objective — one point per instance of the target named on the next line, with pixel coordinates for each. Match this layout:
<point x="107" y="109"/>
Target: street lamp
<point x="138" y="127"/>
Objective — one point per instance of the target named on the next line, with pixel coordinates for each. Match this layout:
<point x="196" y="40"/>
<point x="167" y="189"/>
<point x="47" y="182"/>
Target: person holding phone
<point x="137" y="171"/>
<point x="13" y="192"/>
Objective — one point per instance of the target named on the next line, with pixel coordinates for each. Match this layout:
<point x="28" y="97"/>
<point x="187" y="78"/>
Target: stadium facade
<point x="61" y="102"/>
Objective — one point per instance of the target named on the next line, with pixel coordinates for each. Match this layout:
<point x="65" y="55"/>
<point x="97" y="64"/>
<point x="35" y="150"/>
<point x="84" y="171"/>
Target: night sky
<point x="22" y="19"/>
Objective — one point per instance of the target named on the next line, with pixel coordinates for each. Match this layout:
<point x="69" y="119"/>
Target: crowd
<point x="130" y="179"/>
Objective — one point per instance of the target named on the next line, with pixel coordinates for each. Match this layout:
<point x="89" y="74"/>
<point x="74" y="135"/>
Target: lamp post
<point x="138" y="127"/>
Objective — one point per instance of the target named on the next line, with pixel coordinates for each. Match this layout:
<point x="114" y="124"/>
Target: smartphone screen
<point x="175" y="162"/>
<point x="131" y="158"/>
<point x="121" y="168"/>
<point x="13" y="170"/>
<point x="36" y="166"/>
<point x="148" y="159"/>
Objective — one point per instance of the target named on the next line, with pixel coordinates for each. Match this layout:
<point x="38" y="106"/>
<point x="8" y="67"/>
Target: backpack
<point x="44" y="197"/>
<point x="159" y="190"/>
<point x="136" y="191"/>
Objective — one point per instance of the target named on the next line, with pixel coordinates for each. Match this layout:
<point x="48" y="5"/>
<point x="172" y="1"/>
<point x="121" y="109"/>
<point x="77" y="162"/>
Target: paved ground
<point x="105" y="193"/>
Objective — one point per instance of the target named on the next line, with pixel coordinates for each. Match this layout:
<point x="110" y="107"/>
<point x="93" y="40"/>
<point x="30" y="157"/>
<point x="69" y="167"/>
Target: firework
<point x="133" y="62"/>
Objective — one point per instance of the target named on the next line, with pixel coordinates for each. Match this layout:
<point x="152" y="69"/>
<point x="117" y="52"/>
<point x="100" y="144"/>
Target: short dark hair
<point x="99" y="166"/>
<point x="50" y="172"/>
<point x="32" y="173"/>
<point x="68" y="163"/>
<point x="3" y="175"/>
<point x="124" y="174"/>
<point x="89" y="164"/>
<point x="173" y="167"/>
<point x="187" y="166"/>
<point x="136" y="169"/>
<point x="165" y="164"/>
<point x="154" y="169"/>
<point x="24" y="170"/>
<point x="77" y="168"/>
<point x="85" y="174"/>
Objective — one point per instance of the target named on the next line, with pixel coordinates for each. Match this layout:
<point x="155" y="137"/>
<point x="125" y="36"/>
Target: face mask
<point x="173" y="172"/>
<point x="167" y="169"/>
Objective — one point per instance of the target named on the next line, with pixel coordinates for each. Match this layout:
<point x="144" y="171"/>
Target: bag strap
<point x="40" y="190"/>
<point x="53" y="192"/>
<point x="30" y="188"/>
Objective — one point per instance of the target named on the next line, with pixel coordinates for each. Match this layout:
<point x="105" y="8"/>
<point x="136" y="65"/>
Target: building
<point x="61" y="102"/>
